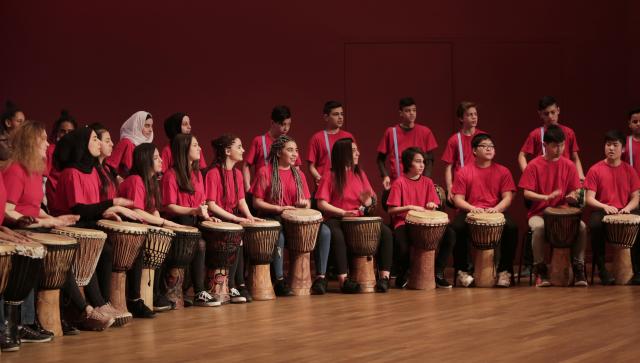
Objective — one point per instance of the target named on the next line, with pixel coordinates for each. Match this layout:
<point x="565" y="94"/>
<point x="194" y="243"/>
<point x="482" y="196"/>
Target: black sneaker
<point x="245" y="293"/>
<point x="382" y="285"/>
<point x="442" y="283"/>
<point x="580" y="279"/>
<point x="319" y="286"/>
<point x="635" y="280"/>
<point x="605" y="278"/>
<point x="401" y="281"/>
<point x="68" y="329"/>
<point x="282" y="289"/>
<point x="37" y="327"/>
<point x="161" y="303"/>
<point x="28" y="335"/>
<point x="350" y="287"/>
<point x="138" y="309"/>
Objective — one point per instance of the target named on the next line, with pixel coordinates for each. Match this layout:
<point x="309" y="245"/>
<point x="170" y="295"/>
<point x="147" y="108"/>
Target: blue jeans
<point x="321" y="252"/>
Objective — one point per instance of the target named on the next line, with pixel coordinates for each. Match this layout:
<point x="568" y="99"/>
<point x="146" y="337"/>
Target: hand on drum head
<point x="610" y="210"/>
<point x="572" y="198"/>
<point x="417" y="208"/>
<point x="122" y="202"/>
<point x="351" y="213"/>
<point x="68" y="219"/>
<point x="476" y="210"/>
<point x="492" y="210"/>
<point x="11" y="236"/>
<point x="625" y="210"/>
<point x="303" y="203"/>
<point x="432" y="206"/>
<point x="25" y="221"/>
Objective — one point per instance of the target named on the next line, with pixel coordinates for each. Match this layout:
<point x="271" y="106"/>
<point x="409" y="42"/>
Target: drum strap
<point x="264" y="149"/>
<point x="395" y="151"/>
<point x="460" y="152"/>
<point x="326" y="142"/>
<point x="630" y="143"/>
<point x="542" y="140"/>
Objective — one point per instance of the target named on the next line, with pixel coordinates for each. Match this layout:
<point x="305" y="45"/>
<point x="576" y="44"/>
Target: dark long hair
<point x="65" y="116"/>
<point x="220" y="146"/>
<point x="173" y="125"/>
<point x="105" y="171"/>
<point x="143" y="167"/>
<point x="276" y="185"/>
<point x="341" y="159"/>
<point x="180" y="152"/>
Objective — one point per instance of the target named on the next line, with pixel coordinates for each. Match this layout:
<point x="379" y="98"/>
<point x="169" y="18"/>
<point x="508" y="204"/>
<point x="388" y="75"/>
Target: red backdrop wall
<point x="227" y="64"/>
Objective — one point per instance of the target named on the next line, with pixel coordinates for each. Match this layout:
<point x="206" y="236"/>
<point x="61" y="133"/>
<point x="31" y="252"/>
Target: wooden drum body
<point x="222" y="242"/>
<point x="362" y="236"/>
<point x="6" y="252"/>
<point x="561" y="228"/>
<point x="155" y="249"/>
<point x="260" y="241"/>
<point x="485" y="230"/>
<point x="622" y="230"/>
<point x="301" y="228"/>
<point x="180" y="255"/>
<point x="425" y="231"/>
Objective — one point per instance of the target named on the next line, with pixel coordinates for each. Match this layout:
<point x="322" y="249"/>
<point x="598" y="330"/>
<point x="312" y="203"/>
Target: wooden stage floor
<point x="524" y="324"/>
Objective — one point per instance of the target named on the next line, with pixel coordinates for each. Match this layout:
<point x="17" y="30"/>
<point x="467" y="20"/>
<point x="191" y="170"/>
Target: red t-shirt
<point x="171" y="193"/>
<point x="319" y="153"/>
<point x="533" y="144"/>
<point x="405" y="191"/>
<point x="76" y="187"/>
<point x="613" y="185"/>
<point x="50" y="150"/>
<point x="24" y="189"/>
<point x="419" y="136"/>
<point x="122" y="157"/>
<point x="349" y="197"/>
<point x="133" y="189"/>
<point x="225" y="198"/>
<point x="3" y="198"/>
<point x="262" y="186"/>
<point x="633" y="149"/>
<point x="543" y="177"/>
<point x="167" y="159"/>
<point x="483" y="187"/>
<point x="451" y="153"/>
<point x="256" y="154"/>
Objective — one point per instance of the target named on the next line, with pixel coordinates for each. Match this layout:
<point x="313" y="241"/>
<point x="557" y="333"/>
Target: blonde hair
<point x="25" y="142"/>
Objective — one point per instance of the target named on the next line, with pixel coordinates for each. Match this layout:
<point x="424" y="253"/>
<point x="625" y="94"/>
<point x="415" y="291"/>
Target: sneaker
<point x="542" y="276"/>
<point x="28" y="335"/>
<point x="441" y="282"/>
<point x="605" y="278"/>
<point x="526" y="271"/>
<point x="504" y="279"/>
<point x="161" y="303"/>
<point x="382" y="285"/>
<point x="635" y="280"/>
<point x="38" y="328"/>
<point x="9" y="345"/>
<point x="96" y="320"/>
<point x="236" y="298"/>
<point x="319" y="286"/>
<point x="68" y="329"/>
<point x="203" y="298"/>
<point x="401" y="281"/>
<point x="122" y="317"/>
<point x="281" y="288"/>
<point x="350" y="287"/>
<point x="246" y="293"/>
<point x="465" y="279"/>
<point x="138" y="309"/>
<point x="580" y="279"/>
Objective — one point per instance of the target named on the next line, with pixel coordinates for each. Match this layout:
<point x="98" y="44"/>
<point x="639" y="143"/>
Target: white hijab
<point x="132" y="128"/>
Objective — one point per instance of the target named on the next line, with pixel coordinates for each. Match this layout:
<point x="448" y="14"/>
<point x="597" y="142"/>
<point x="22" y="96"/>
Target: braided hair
<point x="220" y="145"/>
<point x="276" y="185"/>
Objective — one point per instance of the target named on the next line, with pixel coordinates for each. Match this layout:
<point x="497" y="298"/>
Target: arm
<point x="531" y="195"/>
<point x="223" y="214"/>
<point x="507" y="197"/>
<point x="448" y="180"/>
<point x="591" y="201"/>
<point x="461" y="203"/>
<point x="633" y="203"/>
<point x="314" y="172"/>
<point x="522" y="160"/>
<point x="576" y="160"/>
<point x="261" y="205"/>
<point x="244" y="209"/>
<point x="382" y="168"/>
<point x="246" y="175"/>
<point x="406" y="208"/>
<point x="327" y="208"/>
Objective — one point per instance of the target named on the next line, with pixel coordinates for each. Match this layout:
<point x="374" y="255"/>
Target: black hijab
<point x="173" y="125"/>
<point x="72" y="151"/>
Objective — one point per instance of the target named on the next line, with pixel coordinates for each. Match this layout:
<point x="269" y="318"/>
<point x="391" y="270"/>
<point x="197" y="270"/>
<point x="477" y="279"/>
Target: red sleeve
<point x="528" y="179"/>
<point x="169" y="189"/>
<point x="432" y="195"/>
<point x="449" y="151"/>
<point x="591" y="180"/>
<point x="324" y="188"/>
<point x="262" y="182"/>
<point x="573" y="147"/>
<point x="251" y="155"/>
<point x="15" y="180"/>
<point x="573" y="180"/>
<point x="460" y="183"/>
<point x="383" y="146"/>
<point x="635" y="180"/>
<point x="127" y="156"/>
<point x="75" y="195"/>
<point x="430" y="140"/>
<point x="312" y="155"/>
<point x="507" y="184"/>
<point x="527" y="147"/>
<point x="305" y="186"/>
<point x="240" y="180"/>
<point x="367" y="184"/>
<point x="211" y="183"/>
<point x="166" y="158"/>
<point x="133" y="188"/>
<point x="395" y="194"/>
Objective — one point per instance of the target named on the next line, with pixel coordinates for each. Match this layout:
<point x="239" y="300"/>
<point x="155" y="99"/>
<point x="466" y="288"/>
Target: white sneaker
<point x="203" y="298"/>
<point x="464" y="279"/>
<point x="504" y="279"/>
<point x="236" y="297"/>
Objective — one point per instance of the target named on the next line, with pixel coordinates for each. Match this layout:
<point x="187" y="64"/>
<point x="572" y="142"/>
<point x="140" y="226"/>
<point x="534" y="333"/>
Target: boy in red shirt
<point x="631" y="154"/>
<point x="612" y="188"/>
<point x="485" y="187"/>
<point x="549" y="111"/>
<point x="552" y="181"/>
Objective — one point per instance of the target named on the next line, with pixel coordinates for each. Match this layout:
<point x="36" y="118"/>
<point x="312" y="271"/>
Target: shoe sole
<point x="122" y="320"/>
<point x="444" y="286"/>
<point x="208" y="305"/>
<point x="36" y="341"/>
<point x="15" y="349"/>
<point x="161" y="309"/>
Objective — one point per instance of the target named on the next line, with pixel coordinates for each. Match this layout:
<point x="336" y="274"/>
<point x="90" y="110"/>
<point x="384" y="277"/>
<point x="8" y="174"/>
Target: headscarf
<point x="72" y="151"/>
<point x="173" y="125"/>
<point x="132" y="128"/>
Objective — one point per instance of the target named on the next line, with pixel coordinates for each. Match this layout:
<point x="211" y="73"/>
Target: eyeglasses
<point x="487" y="147"/>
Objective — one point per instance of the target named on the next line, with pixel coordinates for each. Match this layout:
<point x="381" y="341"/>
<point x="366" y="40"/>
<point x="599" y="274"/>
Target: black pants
<point x="339" y="247"/>
<point x="236" y="272"/>
<point x="98" y="291"/>
<point x="598" y="237"/>
<point x="134" y="277"/>
<point x="71" y="291"/>
<point x="506" y="247"/>
<point x="197" y="268"/>
<point x="401" y="250"/>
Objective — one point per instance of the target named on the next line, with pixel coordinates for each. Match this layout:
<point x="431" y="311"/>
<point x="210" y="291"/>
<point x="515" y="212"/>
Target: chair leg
<point x="524" y="241"/>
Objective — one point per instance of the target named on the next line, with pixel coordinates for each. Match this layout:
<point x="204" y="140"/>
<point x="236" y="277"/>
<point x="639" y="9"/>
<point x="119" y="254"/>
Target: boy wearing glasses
<point x="483" y="187"/>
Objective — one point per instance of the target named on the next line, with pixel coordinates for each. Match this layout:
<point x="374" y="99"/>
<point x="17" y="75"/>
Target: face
<point x="94" y="144"/>
<point x="43" y="145"/>
<point x="106" y="147"/>
<point x="486" y="150"/>
<point x="289" y="154"/>
<point x="335" y="118"/>
<point x="235" y="151"/>
<point x="281" y="129"/>
<point x="15" y="122"/>
<point x="409" y="113"/>
<point x="356" y="153"/>
<point x="147" y="128"/>
<point x="185" y="126"/>
<point x="550" y="115"/>
<point x="194" y="150"/>
<point x="65" y="128"/>
<point x="613" y="150"/>
<point x="554" y="149"/>
<point x="634" y="123"/>
<point x="417" y="164"/>
<point x="157" y="162"/>
<point x="470" y="118"/>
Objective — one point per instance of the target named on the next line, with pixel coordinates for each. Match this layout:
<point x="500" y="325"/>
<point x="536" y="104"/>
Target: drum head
<point x="361" y="219"/>
<point x="485" y="218"/>
<point x="29" y="249"/>
<point x="221" y="226"/>
<point x="260" y="224"/>
<point x="621" y="219"/>
<point x="427" y="217"/>
<point x="79" y="232"/>
<point x="562" y="211"/>
<point x="50" y="239"/>
<point x="126" y="227"/>
<point x="184" y="229"/>
<point x="160" y="230"/>
<point x="6" y="249"/>
<point x="301" y="215"/>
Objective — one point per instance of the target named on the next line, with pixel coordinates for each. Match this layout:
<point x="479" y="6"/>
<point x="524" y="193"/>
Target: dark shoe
<point x="138" y="309"/>
<point x="28" y="335"/>
<point x="282" y="289"/>
<point x="350" y="287"/>
<point x="9" y="345"/>
<point x="401" y="281"/>
<point x="11" y="335"/>
<point x="382" y="285"/>
<point x="38" y="328"/>
<point x="526" y="271"/>
<point x="161" y="303"/>
<point x="319" y="286"/>
<point x="441" y="282"/>
<point x="245" y="293"/>
<point x="542" y="275"/>
<point x="68" y="329"/>
<point x="605" y="278"/>
<point x="580" y="279"/>
<point x="635" y="280"/>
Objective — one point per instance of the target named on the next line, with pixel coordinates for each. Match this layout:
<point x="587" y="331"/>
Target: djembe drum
<point x="6" y="252"/>
<point x="26" y="269"/>
<point x="89" y="248"/>
<point x="127" y="240"/>
<point x="155" y="249"/>
<point x="181" y="252"/>
<point x="622" y="230"/>
<point x="561" y="227"/>
<point x="222" y="242"/>
<point x="301" y="228"/>
<point x="485" y="230"/>
<point x="260" y="240"/>
<point x="425" y="230"/>
<point x="362" y="236"/>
